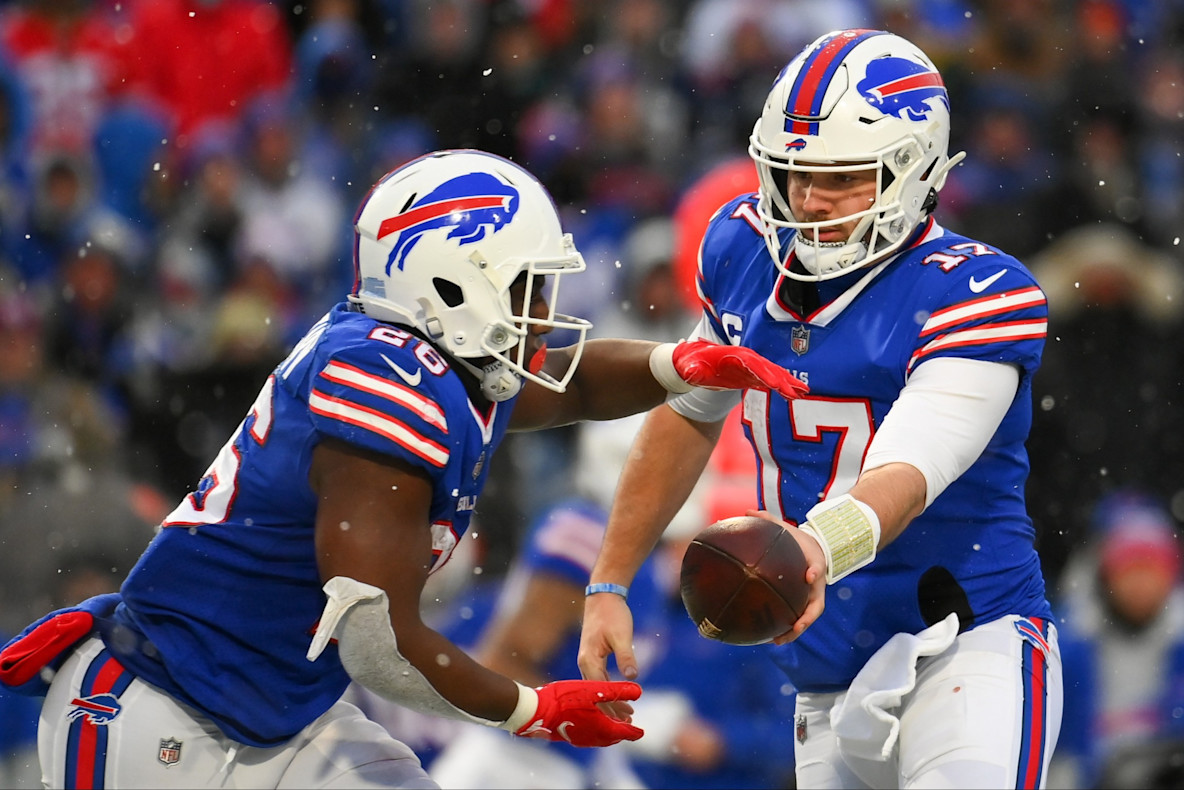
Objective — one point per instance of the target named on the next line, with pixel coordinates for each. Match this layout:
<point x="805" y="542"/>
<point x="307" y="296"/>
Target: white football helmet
<point x="854" y="100"/>
<point x="439" y="242"/>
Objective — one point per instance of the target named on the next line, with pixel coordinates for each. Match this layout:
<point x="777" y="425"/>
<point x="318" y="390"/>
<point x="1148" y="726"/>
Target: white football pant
<point x="102" y="727"/>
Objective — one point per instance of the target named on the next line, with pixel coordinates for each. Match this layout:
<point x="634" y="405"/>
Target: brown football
<point x="743" y="580"/>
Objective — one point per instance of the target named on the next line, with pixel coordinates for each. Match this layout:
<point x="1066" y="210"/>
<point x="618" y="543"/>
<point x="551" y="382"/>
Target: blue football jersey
<point x="220" y="609"/>
<point x="855" y="343"/>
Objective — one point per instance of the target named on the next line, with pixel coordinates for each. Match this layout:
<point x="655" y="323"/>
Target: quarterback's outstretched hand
<point x="717" y="366"/>
<point x="567" y="711"/>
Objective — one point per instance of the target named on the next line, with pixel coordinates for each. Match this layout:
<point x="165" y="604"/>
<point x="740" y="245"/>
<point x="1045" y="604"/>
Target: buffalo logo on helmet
<point x="902" y="87"/>
<point x="95" y="709"/>
<point x="469" y="206"/>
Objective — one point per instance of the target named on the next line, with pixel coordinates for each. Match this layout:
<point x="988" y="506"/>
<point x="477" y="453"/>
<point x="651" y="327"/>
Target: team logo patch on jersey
<point x="170" y="751"/>
<point x="799" y="340"/>
<point x="469" y="206"/>
<point x="1031" y="632"/>
<point x="901" y="87"/>
<point x="477" y="467"/>
<point x="99" y="709"/>
<point x="800" y="728"/>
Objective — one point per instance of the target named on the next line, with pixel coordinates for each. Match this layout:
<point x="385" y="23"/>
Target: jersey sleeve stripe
<point x="1005" y="332"/>
<point x="987" y="306"/>
<point x="350" y="376"/>
<point x="579" y="552"/>
<point x="381" y="424"/>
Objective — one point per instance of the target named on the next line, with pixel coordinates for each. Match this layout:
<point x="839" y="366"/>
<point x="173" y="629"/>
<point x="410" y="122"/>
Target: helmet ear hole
<point x="450" y="293"/>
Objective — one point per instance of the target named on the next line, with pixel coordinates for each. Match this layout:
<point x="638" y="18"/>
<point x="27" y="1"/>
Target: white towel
<point x="865" y="720"/>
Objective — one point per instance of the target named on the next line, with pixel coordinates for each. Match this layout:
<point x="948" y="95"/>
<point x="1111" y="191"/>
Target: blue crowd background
<point x="178" y="180"/>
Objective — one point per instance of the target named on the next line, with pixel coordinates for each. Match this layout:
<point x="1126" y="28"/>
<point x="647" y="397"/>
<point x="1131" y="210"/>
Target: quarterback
<point x="927" y="655"/>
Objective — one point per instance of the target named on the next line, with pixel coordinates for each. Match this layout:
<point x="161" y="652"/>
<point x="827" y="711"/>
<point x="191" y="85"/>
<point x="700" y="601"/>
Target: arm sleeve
<point x="944" y="418"/>
<point x="704" y="405"/>
<point x="358" y="616"/>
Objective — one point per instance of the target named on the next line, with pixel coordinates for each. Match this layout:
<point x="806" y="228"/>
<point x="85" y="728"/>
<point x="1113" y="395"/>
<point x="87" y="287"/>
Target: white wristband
<point x="528" y="705"/>
<point x="848" y="532"/>
<point x="662" y="366"/>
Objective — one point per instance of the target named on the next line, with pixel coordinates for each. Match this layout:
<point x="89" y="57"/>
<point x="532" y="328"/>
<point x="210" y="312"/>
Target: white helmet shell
<point x="438" y="243"/>
<point x="853" y="100"/>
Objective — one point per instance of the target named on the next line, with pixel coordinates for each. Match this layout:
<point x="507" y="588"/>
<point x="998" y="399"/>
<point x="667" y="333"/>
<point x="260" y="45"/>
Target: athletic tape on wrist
<point x="848" y="532"/>
<point x="608" y="587"/>
<point x="528" y="705"/>
<point x="662" y="366"/>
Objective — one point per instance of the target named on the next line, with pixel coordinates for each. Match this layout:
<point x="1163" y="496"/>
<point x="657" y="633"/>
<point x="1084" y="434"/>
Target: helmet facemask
<point x="880" y="229"/>
<point x="503" y="359"/>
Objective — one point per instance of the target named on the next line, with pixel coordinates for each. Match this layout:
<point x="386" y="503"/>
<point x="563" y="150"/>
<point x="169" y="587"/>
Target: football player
<point x="902" y="473"/>
<point x="297" y="562"/>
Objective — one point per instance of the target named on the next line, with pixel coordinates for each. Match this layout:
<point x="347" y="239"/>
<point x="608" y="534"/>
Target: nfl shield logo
<point x="800" y="728"/>
<point x="170" y="751"/>
<point x="799" y="340"/>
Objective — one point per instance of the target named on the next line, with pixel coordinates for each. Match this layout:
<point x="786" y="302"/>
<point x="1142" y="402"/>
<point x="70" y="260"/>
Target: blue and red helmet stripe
<point x="814" y="77"/>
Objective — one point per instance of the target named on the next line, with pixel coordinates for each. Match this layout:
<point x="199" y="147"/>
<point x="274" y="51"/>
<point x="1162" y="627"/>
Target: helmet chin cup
<point x="824" y="258"/>
<point x="499" y="383"/>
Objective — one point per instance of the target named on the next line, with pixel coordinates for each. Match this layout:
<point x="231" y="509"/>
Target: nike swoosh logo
<point x="412" y="379"/>
<point x="978" y="286"/>
<point x="562" y="730"/>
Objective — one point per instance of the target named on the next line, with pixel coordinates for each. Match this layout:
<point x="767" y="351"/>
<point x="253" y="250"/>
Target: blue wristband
<point x="619" y="589"/>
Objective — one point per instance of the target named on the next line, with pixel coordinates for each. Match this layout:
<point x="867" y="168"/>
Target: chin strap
<point x="498" y="383"/>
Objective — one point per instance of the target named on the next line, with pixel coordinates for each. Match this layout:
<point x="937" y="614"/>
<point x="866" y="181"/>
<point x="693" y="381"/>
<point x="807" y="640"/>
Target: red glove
<point x="721" y="367"/>
<point x="567" y="711"/>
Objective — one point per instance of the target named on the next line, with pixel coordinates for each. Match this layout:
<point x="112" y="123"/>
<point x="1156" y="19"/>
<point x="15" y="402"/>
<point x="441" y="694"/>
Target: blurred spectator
<point x="1001" y="192"/>
<point x="1122" y="644"/>
<point x="1101" y="181"/>
<point x="1161" y="127"/>
<point x="66" y="506"/>
<point x="1021" y="48"/>
<point x="71" y="55"/>
<point x="90" y="319"/>
<point x="1107" y="398"/>
<point x="15" y="121"/>
<point x="290" y="220"/>
<point x="648" y="305"/>
<point x="433" y="74"/>
<point x="335" y="77"/>
<point x="204" y="61"/>
<point x="130" y="148"/>
<point x="733" y="49"/>
<point x="62" y="215"/>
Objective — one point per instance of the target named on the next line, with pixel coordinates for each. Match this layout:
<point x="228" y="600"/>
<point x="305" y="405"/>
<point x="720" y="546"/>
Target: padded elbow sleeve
<point x="358" y="615"/>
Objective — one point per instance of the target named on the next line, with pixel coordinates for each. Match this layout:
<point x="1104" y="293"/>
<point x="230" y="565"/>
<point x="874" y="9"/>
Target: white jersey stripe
<point x="357" y="378"/>
<point x="994" y="304"/>
<point x="379" y="423"/>
<point x="990" y="333"/>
